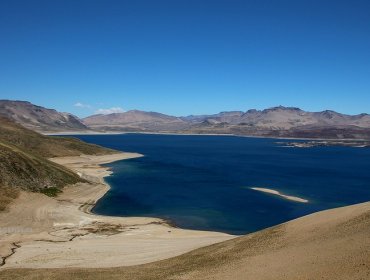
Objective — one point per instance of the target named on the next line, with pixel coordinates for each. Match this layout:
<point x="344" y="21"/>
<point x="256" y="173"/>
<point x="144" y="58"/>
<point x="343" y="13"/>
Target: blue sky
<point x="185" y="57"/>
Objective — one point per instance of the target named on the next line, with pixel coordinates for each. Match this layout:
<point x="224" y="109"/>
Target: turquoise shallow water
<point x="203" y="182"/>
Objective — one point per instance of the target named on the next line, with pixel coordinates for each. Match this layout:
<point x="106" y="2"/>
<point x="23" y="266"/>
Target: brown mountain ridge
<point x="273" y="122"/>
<point x="285" y="122"/>
<point x="39" y="118"/>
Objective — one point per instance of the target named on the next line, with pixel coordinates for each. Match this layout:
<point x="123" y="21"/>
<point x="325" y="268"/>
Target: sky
<point x="184" y="57"/>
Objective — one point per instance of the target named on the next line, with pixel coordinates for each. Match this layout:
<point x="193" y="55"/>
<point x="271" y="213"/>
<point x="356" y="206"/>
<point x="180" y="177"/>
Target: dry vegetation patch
<point x="7" y="195"/>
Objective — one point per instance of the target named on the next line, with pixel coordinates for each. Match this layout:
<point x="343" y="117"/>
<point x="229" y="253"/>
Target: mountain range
<point x="278" y="121"/>
<point x="273" y="122"/>
<point x="281" y="118"/>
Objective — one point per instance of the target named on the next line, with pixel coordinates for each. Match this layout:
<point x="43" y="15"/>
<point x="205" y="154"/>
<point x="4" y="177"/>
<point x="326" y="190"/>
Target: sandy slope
<point x="333" y="244"/>
<point x="62" y="233"/>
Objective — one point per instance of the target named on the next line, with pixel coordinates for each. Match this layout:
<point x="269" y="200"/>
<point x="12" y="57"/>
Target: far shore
<point x="61" y="232"/>
<point x="277" y="193"/>
<point x="131" y="132"/>
<point x="89" y="132"/>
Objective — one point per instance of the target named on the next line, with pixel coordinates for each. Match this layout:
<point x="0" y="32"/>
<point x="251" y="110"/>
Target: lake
<point x="203" y="182"/>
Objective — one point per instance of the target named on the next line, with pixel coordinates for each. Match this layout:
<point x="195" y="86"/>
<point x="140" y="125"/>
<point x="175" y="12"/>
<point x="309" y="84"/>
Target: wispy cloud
<point x="81" y="105"/>
<point x="109" y="110"/>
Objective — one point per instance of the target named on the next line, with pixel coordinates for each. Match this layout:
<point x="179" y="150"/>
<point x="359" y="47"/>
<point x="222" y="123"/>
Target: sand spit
<point x="42" y="232"/>
<point x="275" y="192"/>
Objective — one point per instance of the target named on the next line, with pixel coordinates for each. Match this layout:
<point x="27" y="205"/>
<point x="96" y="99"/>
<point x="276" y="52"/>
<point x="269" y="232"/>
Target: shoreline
<point x="74" y="164"/>
<point x="73" y="133"/>
<point x="62" y="232"/>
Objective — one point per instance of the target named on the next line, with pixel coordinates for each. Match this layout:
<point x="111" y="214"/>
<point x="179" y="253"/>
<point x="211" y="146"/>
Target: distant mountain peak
<point x="282" y="108"/>
<point x="252" y="111"/>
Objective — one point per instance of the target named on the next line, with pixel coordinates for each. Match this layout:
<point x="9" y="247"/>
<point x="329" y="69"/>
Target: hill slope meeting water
<point x="24" y="161"/>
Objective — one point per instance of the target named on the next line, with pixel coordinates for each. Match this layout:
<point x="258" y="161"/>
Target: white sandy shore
<point x="275" y="192"/>
<point x="82" y="132"/>
<point x="43" y="232"/>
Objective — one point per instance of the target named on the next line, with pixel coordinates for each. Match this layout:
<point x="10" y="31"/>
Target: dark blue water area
<point x="203" y="182"/>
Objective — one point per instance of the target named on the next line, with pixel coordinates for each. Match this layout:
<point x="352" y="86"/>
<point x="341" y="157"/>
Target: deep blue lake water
<point x="203" y="182"/>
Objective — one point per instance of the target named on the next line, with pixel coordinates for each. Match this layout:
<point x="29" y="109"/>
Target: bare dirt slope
<point x="333" y="244"/>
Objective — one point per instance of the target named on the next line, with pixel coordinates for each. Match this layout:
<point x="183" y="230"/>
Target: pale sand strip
<point x="62" y="232"/>
<point x="275" y="192"/>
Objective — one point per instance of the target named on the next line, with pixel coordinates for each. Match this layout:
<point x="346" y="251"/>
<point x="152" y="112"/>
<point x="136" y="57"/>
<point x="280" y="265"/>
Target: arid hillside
<point x="39" y="118"/>
<point x="332" y="244"/>
<point x="46" y="146"/>
<point x="24" y="164"/>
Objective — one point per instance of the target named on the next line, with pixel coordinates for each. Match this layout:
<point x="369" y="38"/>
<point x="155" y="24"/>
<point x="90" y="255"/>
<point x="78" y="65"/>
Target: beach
<point x="43" y="232"/>
<point x="331" y="244"/>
